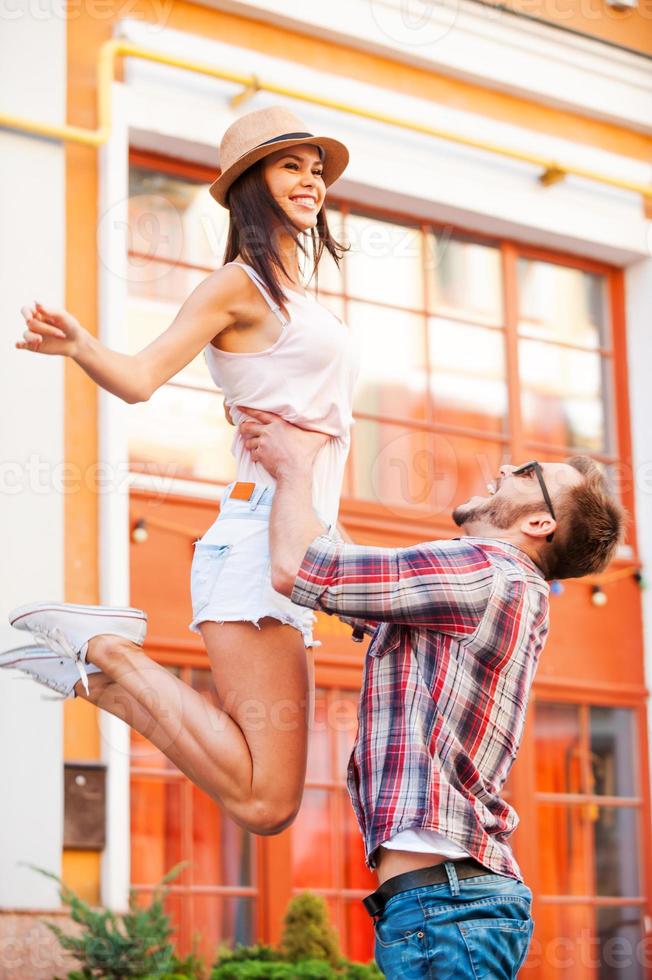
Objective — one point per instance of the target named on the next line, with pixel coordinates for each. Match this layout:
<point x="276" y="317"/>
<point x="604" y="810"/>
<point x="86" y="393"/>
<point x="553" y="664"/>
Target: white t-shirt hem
<point x="425" y="842"/>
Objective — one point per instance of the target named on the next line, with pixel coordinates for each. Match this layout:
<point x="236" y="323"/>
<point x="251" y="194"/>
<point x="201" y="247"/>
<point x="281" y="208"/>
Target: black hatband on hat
<point x="292" y="136"/>
<point x="285" y="136"/>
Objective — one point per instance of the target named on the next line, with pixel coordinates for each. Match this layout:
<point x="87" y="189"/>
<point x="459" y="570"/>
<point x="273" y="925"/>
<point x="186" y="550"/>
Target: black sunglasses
<point x="535" y="467"/>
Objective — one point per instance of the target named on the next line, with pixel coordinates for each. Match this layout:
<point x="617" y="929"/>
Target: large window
<point x="473" y="352"/>
<point x="590" y="917"/>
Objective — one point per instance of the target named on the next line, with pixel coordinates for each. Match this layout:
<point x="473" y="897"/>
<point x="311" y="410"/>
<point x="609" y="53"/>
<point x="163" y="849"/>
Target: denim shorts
<point x="230" y="577"/>
<point x="459" y="930"/>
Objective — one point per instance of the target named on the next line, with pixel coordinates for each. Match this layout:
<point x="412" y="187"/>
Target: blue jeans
<point x="476" y="928"/>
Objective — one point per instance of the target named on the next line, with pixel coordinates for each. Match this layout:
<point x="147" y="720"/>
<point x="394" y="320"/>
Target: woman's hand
<point x="278" y="445"/>
<point x="50" y="331"/>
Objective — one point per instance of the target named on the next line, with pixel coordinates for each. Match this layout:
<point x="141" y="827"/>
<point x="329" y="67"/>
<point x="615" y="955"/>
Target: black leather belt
<point x="434" y="875"/>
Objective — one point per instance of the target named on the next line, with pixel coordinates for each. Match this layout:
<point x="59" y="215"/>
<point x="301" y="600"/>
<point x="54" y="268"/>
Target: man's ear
<point x="538" y="525"/>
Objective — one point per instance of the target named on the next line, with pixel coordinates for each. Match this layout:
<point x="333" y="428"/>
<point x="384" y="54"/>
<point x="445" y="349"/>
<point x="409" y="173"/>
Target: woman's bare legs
<point x="110" y="696"/>
<point x="262" y="679"/>
<point x="249" y="752"/>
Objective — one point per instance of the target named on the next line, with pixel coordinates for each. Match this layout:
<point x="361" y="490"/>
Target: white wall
<point x="32" y="243"/>
<point x="639" y="335"/>
<point x="114" y="505"/>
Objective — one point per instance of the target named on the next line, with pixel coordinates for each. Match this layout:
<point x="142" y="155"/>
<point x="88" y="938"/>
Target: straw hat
<point x="265" y="131"/>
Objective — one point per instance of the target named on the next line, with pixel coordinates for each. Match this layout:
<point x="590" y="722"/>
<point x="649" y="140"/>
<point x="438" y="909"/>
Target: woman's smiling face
<point x="295" y="181"/>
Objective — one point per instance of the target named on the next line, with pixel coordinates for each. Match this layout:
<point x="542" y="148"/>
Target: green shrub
<point x="260" y="953"/>
<point x="303" y="970"/>
<point x="265" y="970"/>
<point x="308" y="934"/>
<point x="138" y="944"/>
<point x="361" y="971"/>
<point x="113" y="947"/>
<point x="309" y="950"/>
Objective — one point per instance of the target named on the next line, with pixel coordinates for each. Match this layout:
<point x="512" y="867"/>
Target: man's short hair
<point x="590" y="525"/>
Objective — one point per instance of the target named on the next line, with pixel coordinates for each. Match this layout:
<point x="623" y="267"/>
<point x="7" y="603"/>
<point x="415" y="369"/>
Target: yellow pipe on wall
<point x="552" y="170"/>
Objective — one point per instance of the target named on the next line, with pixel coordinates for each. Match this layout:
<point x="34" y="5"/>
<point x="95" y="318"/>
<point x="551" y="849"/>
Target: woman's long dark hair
<point x="255" y="220"/>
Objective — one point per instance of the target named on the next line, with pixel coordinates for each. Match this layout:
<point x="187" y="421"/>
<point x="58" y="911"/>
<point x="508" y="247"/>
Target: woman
<point x="269" y="346"/>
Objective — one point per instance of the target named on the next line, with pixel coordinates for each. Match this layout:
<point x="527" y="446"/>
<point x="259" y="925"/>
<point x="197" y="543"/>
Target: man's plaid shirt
<point x="446" y="682"/>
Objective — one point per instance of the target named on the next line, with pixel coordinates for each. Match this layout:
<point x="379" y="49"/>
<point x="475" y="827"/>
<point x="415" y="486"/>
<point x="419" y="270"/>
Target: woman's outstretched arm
<point x="209" y="309"/>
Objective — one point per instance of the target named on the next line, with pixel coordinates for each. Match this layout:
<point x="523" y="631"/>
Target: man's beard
<point x="501" y="514"/>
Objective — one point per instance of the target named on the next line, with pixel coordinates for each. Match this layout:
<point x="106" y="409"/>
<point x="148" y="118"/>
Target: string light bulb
<point x="598" y="597"/>
<point x="140" y="534"/>
<point x="556" y="588"/>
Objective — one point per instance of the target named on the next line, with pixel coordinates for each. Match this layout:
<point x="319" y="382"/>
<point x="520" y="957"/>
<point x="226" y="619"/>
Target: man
<point x="445" y="689"/>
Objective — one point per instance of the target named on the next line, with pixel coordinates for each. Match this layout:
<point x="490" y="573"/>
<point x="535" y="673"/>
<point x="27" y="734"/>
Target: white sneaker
<point x="66" y="628"/>
<point x="46" y="667"/>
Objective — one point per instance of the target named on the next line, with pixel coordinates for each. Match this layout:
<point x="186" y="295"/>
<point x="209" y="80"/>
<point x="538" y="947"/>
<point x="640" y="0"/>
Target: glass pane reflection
<point x="467" y="372"/>
<point x="561" y="846"/>
<point x="561" y="303"/>
<point x="319" y="754"/>
<point x="613" y="754"/>
<point x="165" y="283"/>
<point x="620" y="936"/>
<point x="385" y="262"/>
<point x="407" y="468"/>
<point x="175" y="218"/>
<point x="184" y="432"/>
<point x="156" y="828"/>
<point x="464" y="278"/>
<point x="617" y="852"/>
<point x="312" y="858"/>
<point x="562" y="396"/>
<point x="392" y="378"/>
<point x="222" y="919"/>
<point x="558" y="756"/>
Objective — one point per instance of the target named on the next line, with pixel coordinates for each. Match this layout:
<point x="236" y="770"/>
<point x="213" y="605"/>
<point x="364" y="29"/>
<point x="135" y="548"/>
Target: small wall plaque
<point x="84" y="810"/>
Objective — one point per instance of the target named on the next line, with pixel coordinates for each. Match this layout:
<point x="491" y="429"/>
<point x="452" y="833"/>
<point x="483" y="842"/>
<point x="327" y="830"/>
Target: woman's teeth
<point x="306" y="202"/>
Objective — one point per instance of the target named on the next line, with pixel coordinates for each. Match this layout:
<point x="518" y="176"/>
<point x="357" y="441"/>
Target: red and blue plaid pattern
<point x="446" y="682"/>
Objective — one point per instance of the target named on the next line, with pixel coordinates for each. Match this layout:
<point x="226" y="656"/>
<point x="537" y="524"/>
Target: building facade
<point x="499" y="284"/>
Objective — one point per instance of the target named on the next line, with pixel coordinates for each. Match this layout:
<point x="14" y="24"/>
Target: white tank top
<point x="307" y="377"/>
